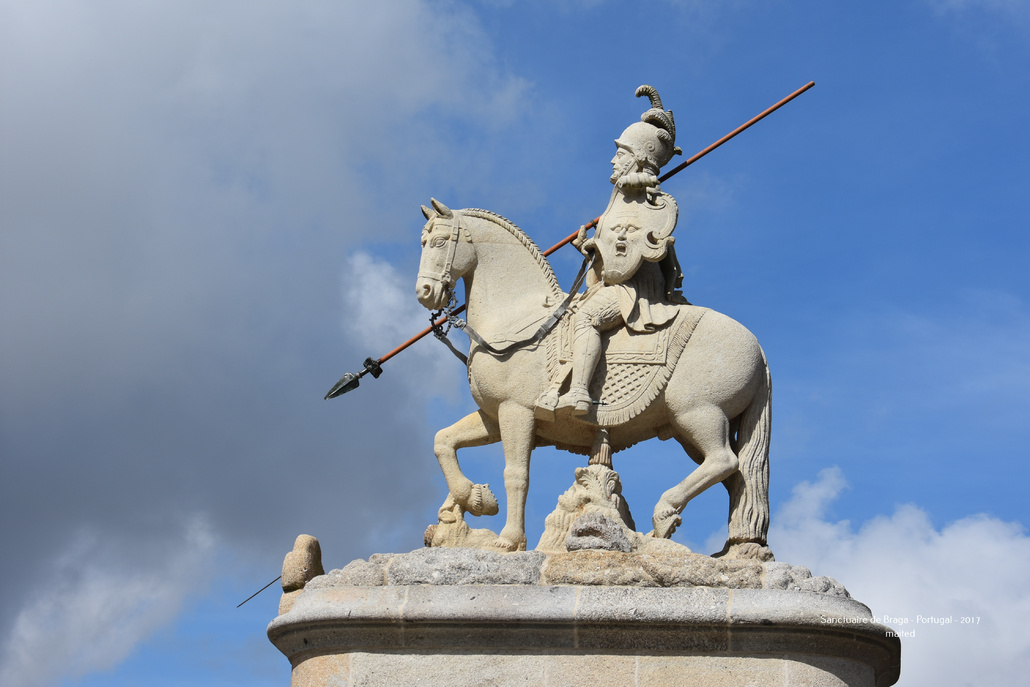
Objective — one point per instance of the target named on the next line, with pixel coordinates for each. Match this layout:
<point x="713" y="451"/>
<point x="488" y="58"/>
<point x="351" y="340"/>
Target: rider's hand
<point x="582" y="243"/>
<point x="580" y="237"/>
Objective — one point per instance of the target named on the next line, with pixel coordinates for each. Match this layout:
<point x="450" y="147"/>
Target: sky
<point x="209" y="211"/>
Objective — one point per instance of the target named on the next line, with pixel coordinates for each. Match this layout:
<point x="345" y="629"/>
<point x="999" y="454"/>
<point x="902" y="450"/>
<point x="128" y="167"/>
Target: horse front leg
<point x="518" y="428"/>
<point x="475" y="429"/>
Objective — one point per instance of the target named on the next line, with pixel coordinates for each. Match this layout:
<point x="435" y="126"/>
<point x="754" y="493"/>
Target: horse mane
<point x="523" y="238"/>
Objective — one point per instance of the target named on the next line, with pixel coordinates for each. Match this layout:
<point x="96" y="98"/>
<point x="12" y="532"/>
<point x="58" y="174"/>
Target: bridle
<point x="444" y="276"/>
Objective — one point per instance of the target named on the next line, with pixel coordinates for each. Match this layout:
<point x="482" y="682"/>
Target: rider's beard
<point x="622" y="171"/>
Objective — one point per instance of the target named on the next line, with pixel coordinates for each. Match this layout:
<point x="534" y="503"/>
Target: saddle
<point x="633" y="370"/>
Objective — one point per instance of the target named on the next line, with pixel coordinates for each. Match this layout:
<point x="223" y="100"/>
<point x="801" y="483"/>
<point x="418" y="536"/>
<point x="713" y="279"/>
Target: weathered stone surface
<point x="332" y="670"/>
<point x="697" y="570"/>
<point x="550" y="635"/>
<point x="597" y="531"/>
<point x="359" y="573"/>
<point x="465" y="566"/>
<point x="733" y="671"/>
<point x="799" y="578"/>
<point x="451" y="530"/>
<point x="596" y="491"/>
<point x="287" y="600"/>
<point x="672" y="567"/>
<point x="300" y="566"/>
<point x="597" y="568"/>
<point x="504" y="669"/>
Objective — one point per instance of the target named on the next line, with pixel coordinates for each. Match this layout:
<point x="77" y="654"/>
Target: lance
<point x="373" y="366"/>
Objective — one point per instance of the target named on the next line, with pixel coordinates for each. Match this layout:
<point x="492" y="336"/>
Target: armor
<point x="633" y="234"/>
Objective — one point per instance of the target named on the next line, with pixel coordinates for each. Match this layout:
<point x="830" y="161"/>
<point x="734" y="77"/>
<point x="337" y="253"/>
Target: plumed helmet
<point x="653" y="139"/>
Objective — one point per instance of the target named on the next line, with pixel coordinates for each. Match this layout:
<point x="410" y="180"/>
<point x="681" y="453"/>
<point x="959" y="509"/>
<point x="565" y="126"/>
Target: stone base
<point x="390" y="630"/>
<point x="575" y="670"/>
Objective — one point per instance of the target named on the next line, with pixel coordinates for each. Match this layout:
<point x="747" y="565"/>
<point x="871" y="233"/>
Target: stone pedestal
<point x="534" y="633"/>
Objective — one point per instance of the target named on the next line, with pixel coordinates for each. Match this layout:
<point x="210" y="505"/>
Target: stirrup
<point x="577" y="398"/>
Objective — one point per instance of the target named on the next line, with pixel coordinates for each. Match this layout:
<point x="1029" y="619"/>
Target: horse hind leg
<point x="475" y="429"/>
<point x="707" y="430"/>
<point x="749" y="485"/>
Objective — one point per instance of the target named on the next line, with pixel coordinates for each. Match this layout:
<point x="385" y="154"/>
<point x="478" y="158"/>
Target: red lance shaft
<point x="349" y="381"/>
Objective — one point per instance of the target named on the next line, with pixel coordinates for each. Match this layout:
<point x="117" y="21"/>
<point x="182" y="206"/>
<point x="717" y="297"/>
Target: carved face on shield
<point x="633" y="230"/>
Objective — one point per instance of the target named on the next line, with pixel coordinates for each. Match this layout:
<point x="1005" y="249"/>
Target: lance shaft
<point x="593" y="223"/>
<point x="439" y="323"/>
<point x="696" y="156"/>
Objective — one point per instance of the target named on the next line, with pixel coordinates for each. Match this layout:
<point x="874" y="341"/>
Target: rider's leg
<point x="586" y="352"/>
<point x="600" y="312"/>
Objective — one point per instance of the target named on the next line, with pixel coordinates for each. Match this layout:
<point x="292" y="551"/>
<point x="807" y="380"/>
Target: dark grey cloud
<point x="182" y="184"/>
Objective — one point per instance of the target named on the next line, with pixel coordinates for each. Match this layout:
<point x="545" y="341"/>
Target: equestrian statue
<point x="628" y="359"/>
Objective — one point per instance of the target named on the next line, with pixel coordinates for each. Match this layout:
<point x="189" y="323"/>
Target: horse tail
<point x="749" y="486"/>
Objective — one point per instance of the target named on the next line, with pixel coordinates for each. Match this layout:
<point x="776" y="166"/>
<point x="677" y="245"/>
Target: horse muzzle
<point x="431" y="293"/>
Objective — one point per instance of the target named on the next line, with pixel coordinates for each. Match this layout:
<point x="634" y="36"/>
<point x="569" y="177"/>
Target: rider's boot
<point x="577" y="398"/>
<point x="586" y="351"/>
<point x="546" y="404"/>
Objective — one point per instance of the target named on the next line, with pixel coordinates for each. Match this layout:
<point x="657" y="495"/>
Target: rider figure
<point x="635" y="270"/>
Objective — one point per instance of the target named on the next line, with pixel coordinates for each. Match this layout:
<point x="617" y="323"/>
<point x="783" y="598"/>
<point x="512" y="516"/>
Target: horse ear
<point x="440" y="208"/>
<point x="427" y="212"/>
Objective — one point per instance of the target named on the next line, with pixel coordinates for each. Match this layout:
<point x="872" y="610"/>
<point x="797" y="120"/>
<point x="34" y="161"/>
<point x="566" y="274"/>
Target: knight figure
<point x="635" y="274"/>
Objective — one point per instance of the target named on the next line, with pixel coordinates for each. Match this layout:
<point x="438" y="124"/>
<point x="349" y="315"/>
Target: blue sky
<point x="209" y="212"/>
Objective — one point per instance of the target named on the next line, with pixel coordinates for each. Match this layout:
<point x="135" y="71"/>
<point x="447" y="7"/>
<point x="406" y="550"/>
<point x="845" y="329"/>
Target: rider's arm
<point x="588" y="248"/>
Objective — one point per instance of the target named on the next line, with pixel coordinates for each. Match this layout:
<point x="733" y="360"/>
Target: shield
<point x="632" y="230"/>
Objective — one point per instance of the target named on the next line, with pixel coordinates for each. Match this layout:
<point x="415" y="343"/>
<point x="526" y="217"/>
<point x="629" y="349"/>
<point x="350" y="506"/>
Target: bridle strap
<point x="444" y="276"/>
<point x="545" y="327"/>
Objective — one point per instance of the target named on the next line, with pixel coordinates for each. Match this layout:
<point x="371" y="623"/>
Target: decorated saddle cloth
<point x="634" y="367"/>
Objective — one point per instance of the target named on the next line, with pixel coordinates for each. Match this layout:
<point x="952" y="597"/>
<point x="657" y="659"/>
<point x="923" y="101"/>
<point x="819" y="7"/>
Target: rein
<point x="440" y="332"/>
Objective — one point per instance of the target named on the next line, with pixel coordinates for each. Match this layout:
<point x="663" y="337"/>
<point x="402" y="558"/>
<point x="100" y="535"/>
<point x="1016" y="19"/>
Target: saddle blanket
<point x="634" y="367"/>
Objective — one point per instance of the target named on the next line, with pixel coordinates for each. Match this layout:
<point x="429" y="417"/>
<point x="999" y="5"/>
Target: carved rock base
<point x="477" y="621"/>
<point x="591" y="514"/>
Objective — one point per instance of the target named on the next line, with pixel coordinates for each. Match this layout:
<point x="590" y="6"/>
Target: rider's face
<point x="621" y="162"/>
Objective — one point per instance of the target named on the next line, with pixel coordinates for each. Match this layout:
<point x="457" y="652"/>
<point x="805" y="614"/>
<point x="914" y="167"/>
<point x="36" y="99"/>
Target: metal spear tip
<point x="348" y="382"/>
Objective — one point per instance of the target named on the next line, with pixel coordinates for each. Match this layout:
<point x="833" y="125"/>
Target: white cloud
<point x="381" y="312"/>
<point x="100" y="602"/>
<point x="903" y="567"/>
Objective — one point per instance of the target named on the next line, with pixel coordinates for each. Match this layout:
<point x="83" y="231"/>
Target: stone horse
<point x="717" y="402"/>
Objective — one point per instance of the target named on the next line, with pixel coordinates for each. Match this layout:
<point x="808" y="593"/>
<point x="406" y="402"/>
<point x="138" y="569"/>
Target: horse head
<point x="447" y="255"/>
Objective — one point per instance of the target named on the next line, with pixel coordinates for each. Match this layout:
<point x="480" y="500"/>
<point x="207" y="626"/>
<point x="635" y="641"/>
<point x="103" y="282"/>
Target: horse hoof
<point x="665" y="523"/>
<point x="504" y="545"/>
<point x="482" y="501"/>
<point x="745" y="551"/>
